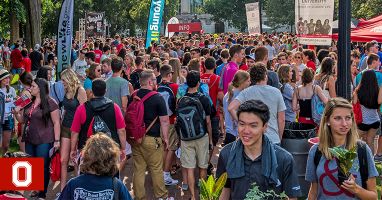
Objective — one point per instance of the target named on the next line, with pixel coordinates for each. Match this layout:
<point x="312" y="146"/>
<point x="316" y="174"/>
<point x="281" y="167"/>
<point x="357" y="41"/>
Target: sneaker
<point x="169" y="181"/>
<point x="184" y="187"/>
<point x="378" y="158"/>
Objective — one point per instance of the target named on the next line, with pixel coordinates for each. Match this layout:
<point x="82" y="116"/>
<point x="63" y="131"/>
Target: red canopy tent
<point x="366" y="31"/>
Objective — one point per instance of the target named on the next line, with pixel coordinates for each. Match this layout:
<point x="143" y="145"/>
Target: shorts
<point x="215" y="130"/>
<point x="195" y="153"/>
<point x="367" y="127"/>
<point x="8" y="125"/>
<point x="65" y="132"/>
<point x="173" y="139"/>
<point x="379" y="132"/>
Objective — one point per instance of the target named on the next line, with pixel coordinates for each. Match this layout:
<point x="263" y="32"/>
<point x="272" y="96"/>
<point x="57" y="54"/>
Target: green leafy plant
<point x="211" y="190"/>
<point x="256" y="194"/>
<point x="345" y="158"/>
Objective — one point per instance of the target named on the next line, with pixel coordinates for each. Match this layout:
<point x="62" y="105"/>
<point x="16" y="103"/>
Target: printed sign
<point x="95" y="24"/>
<point x="314" y="21"/>
<point x="253" y="18"/>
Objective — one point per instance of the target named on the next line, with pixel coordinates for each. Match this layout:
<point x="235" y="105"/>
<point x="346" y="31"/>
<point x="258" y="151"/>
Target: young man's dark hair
<point x="258" y="73"/>
<point x="210" y="63"/>
<point x="99" y="87"/>
<point x="369" y="45"/>
<point x="138" y="60"/>
<point x="90" y="55"/>
<point x="224" y="54"/>
<point x="193" y="78"/>
<point x="235" y="49"/>
<point x="256" y="107"/>
<point x="205" y="52"/>
<point x="116" y="64"/>
<point x="260" y="53"/>
<point x="106" y="47"/>
<point x="24" y="53"/>
<point x="372" y="57"/>
<point x="281" y="54"/>
<point x="96" y="44"/>
<point x="197" y="50"/>
<point x="322" y="53"/>
<point x="155" y="64"/>
<point x="165" y="70"/>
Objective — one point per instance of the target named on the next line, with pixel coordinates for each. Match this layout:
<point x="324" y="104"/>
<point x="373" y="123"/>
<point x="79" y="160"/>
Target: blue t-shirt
<point x="87" y="186"/>
<point x="326" y="175"/>
<point x="88" y="84"/>
<point x="219" y="69"/>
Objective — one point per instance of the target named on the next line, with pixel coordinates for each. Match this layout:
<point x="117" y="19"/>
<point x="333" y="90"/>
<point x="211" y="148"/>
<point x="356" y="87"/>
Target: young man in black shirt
<point x="148" y="155"/>
<point x="195" y="151"/>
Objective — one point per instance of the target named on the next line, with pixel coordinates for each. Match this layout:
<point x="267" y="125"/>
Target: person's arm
<point x="380" y="96"/>
<point x="19" y="114"/>
<point x="295" y="100"/>
<point x="82" y="95"/>
<point x="312" y="195"/>
<point x="164" y="124"/>
<point x="225" y="194"/>
<point x="320" y="94"/>
<point x="89" y="94"/>
<point x="232" y="108"/>
<point x="124" y="101"/>
<point x="55" y="116"/>
<point x="369" y="193"/>
<point x="281" y="123"/>
<point x="332" y="87"/>
<point x="209" y="128"/>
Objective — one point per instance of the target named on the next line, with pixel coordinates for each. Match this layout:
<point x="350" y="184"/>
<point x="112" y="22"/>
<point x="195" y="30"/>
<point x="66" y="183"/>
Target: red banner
<point x="22" y="173"/>
<point x="186" y="27"/>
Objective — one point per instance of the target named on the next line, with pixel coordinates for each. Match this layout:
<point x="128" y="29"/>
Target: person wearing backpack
<point x="147" y="109"/>
<point x="168" y="91"/>
<point x="303" y="97"/>
<point x="338" y="129"/>
<point x="98" y="114"/>
<point x="194" y="128"/>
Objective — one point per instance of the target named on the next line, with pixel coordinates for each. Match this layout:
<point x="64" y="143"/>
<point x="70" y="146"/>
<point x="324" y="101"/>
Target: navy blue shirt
<point x="87" y="186"/>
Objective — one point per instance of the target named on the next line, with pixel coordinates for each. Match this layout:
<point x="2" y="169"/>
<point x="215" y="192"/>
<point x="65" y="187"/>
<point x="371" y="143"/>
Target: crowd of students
<point x="194" y="91"/>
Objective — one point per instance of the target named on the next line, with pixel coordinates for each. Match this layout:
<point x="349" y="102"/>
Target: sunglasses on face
<point x="298" y="57"/>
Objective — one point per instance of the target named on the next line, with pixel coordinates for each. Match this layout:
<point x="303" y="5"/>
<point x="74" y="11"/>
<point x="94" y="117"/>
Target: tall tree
<point x="280" y="12"/>
<point x="231" y="11"/>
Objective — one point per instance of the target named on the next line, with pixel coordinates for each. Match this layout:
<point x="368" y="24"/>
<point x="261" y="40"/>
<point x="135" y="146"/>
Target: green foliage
<point x="366" y="9"/>
<point x="10" y="6"/>
<point x="232" y="11"/>
<point x="280" y="12"/>
<point x="256" y="194"/>
<point x="211" y="190"/>
<point x="345" y="158"/>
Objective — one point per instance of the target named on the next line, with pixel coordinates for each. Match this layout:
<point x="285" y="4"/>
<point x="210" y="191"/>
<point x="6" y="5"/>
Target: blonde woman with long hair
<point x="240" y="81"/>
<point x="338" y="129"/>
<point x="176" y="77"/>
<point x="75" y="95"/>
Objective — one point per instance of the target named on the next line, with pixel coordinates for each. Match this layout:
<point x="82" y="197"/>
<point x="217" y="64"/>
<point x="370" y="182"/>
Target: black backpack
<point x="166" y="92"/>
<point x="190" y="118"/>
<point x="362" y="157"/>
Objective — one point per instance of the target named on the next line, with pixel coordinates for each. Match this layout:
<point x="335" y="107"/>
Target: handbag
<point x="357" y="112"/>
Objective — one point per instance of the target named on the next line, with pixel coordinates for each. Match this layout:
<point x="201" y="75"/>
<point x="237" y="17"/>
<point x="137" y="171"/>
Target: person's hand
<point x="56" y="145"/>
<point x="350" y="185"/>
<point x="73" y="155"/>
<point x="123" y="155"/>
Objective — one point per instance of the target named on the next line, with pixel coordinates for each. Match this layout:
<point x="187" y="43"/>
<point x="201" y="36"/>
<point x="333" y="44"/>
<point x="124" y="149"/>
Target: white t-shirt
<point x="79" y="66"/>
<point x="10" y="98"/>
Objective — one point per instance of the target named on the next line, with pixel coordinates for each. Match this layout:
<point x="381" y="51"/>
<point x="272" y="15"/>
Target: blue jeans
<point x="41" y="150"/>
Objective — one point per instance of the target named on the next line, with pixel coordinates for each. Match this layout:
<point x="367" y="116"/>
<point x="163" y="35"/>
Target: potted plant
<point x="255" y="194"/>
<point x="211" y="190"/>
<point x="344" y="160"/>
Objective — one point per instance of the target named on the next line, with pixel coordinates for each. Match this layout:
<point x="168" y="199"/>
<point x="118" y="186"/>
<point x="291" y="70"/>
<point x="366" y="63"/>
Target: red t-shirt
<point x="80" y="118"/>
<point x="213" y="83"/>
<point x="27" y="64"/>
<point x="174" y="87"/>
<point x="98" y="54"/>
<point x="16" y="58"/>
<point x="244" y="67"/>
<point x="311" y="65"/>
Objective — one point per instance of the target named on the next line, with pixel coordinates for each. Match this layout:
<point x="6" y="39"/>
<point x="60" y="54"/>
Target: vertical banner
<point x="314" y="21"/>
<point x="65" y="34"/>
<point x="253" y="18"/>
<point x="154" y="21"/>
<point x="94" y="24"/>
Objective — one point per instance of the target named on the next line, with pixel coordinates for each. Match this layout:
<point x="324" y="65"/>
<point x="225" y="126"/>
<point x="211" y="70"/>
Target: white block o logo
<point x="15" y="174"/>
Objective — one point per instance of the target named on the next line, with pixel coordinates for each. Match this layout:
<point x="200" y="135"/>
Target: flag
<point x="154" y="21"/>
<point x="65" y="35"/>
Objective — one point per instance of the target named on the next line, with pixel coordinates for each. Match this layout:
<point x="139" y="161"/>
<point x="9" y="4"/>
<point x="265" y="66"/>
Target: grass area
<point x="379" y="179"/>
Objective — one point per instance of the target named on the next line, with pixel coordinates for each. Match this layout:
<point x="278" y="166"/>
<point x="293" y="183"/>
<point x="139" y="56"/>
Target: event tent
<point x="366" y="31"/>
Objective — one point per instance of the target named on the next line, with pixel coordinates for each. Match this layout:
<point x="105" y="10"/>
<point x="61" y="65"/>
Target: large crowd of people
<point x="192" y="94"/>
